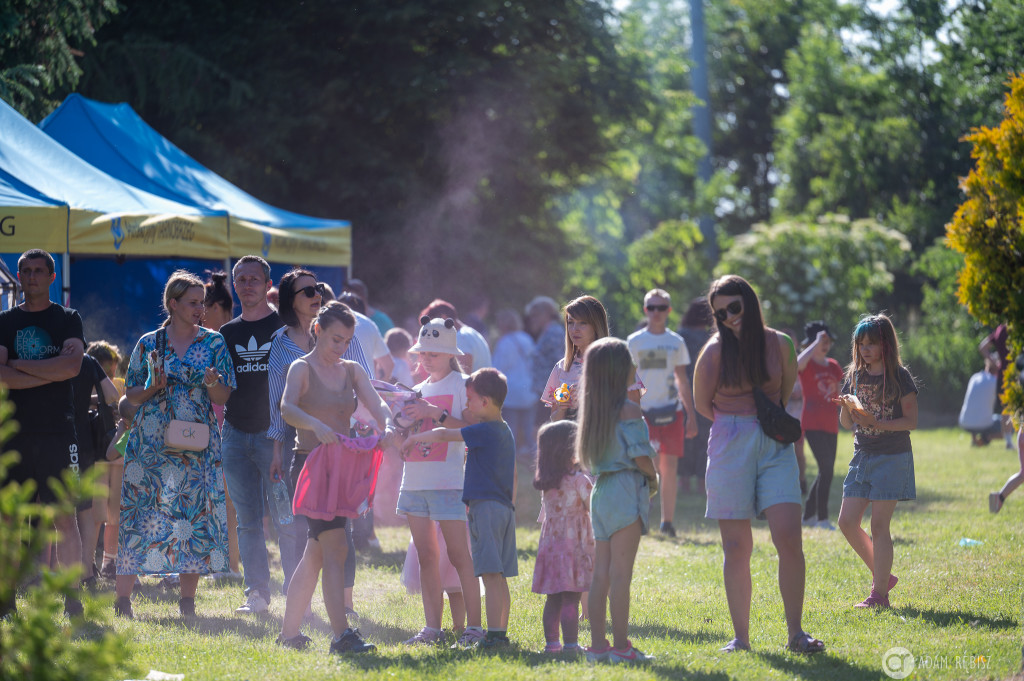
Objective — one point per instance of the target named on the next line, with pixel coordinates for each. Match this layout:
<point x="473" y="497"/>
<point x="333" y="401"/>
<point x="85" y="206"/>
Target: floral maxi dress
<point x="173" y="509"/>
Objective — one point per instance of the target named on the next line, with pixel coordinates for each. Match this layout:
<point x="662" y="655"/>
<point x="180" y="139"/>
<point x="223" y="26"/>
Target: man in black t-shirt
<point x="246" y="449"/>
<point x="41" y="348"/>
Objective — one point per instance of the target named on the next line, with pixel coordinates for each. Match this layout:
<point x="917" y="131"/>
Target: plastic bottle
<point x="562" y="393"/>
<point x="282" y="502"/>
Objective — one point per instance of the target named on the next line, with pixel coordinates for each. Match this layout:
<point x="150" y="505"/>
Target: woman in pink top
<point x="748" y="472"/>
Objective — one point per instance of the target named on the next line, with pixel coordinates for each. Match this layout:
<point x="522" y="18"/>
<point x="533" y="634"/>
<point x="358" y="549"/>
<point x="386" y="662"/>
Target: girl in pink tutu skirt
<point x="565" y="554"/>
<point x="336" y="482"/>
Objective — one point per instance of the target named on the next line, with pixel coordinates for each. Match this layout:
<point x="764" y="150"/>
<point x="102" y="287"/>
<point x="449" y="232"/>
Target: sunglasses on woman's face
<point x="657" y="308"/>
<point x="311" y="291"/>
<point x="733" y="308"/>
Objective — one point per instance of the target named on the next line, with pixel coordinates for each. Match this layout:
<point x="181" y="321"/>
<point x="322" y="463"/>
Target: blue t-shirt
<point x="490" y="462"/>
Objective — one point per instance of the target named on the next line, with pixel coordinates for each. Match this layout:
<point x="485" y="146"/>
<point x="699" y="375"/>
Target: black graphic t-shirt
<point x="248" y="408"/>
<point x="41" y="335"/>
<point x="869" y="389"/>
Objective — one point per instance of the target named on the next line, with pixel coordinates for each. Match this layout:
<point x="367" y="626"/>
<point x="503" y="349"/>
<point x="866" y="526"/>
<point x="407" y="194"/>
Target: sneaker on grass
<point x="254" y="604"/>
<point x="629" y="655"/>
<point x="351" y="643"/>
<point x="426" y="636"/>
<point x="469" y="637"/>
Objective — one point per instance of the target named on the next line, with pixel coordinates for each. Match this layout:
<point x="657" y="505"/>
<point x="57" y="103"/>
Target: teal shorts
<point x="617" y="500"/>
<point x="747" y="470"/>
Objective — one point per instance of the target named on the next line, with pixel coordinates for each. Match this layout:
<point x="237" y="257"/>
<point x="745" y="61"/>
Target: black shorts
<point x="318" y="526"/>
<point x="44" y="456"/>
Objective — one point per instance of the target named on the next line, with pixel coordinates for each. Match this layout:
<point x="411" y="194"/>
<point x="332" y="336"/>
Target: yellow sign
<point x="331" y="246"/>
<point x="184" y="236"/>
<point x="25" y="227"/>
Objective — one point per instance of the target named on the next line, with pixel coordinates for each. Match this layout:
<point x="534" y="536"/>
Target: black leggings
<point x="823" y="446"/>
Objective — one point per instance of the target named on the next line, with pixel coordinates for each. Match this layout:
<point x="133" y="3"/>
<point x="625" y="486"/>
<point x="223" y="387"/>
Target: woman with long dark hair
<point x="748" y="472"/>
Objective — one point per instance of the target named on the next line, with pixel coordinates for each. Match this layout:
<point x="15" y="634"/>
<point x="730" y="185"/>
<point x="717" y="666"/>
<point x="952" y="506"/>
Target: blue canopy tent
<point x="52" y="199"/>
<point x="115" y="139"/>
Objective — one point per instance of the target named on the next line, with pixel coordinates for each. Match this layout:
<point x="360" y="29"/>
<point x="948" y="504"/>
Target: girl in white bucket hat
<point x="432" y="480"/>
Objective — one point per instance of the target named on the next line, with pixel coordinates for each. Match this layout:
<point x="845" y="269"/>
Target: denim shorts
<point x="881" y="477"/>
<point x="436" y="504"/>
<point x="617" y="500"/>
<point x="492" y="538"/>
<point x="747" y="470"/>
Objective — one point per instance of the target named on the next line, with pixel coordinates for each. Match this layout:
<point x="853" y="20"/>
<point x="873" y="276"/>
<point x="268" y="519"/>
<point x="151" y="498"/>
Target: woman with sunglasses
<point x="300" y="297"/>
<point x="748" y="472"/>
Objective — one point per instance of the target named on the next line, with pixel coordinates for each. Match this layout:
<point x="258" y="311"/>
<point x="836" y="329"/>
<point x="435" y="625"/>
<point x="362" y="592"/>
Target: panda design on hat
<point x="437" y="335"/>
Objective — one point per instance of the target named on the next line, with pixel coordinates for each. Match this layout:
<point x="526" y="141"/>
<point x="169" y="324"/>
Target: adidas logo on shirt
<point x="252" y="354"/>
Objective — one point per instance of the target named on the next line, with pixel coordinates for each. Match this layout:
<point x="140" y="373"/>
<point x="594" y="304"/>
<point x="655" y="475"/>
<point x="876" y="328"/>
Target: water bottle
<point x="282" y="502"/>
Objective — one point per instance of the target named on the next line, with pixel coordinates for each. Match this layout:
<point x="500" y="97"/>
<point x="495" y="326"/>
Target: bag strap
<point x="161" y="351"/>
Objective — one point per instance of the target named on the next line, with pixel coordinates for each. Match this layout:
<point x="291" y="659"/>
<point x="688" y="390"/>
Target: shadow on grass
<point x="383" y="559"/>
<point x="662" y="631"/>
<point x="944" y="618"/>
<point x="819" y="666"/>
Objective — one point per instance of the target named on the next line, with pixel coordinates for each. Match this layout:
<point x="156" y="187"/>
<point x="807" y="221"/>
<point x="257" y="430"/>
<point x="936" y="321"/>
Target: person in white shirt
<point x="661" y="358"/>
<point x="978" y="414"/>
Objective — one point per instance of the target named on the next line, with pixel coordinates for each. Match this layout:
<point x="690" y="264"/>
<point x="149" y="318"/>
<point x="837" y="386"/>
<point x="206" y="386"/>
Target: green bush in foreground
<point x="37" y="643"/>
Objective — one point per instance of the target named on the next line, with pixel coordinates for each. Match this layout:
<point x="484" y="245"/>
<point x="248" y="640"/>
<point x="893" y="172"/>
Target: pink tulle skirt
<point x="339" y="479"/>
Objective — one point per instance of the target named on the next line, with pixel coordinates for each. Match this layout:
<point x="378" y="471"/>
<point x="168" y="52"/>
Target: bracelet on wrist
<point x="211" y="384"/>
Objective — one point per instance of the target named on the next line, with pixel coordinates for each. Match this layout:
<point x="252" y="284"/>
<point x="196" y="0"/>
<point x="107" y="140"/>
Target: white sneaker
<point x="254" y="604"/>
<point x="809" y="522"/>
<point x="825" y="525"/>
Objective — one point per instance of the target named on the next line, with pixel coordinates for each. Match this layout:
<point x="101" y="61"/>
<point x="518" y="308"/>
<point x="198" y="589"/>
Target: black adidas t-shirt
<point x="46" y="408"/>
<point x="248" y="408"/>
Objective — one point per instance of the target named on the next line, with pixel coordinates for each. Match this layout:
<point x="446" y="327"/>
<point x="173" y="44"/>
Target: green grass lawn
<point x="954" y="606"/>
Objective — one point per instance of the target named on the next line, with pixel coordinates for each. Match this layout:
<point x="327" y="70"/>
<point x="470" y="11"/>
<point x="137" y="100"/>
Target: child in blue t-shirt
<point x="490" y="493"/>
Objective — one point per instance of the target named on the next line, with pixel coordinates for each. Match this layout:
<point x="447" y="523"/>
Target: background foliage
<point x="988" y="230"/>
<point x="509" y="148"/>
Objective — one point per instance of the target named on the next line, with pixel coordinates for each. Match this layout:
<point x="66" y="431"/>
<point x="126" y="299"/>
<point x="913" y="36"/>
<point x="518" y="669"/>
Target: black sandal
<point x="805" y="644"/>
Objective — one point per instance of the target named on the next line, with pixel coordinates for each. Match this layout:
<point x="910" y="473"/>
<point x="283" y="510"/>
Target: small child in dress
<point x="614" y="444"/>
<point x="490" y="493"/>
<point x="565" y="553"/>
<point x="879" y="401"/>
<point x="399" y="341"/>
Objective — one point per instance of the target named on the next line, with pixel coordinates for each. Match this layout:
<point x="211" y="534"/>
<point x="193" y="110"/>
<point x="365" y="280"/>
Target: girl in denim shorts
<point x="879" y="402"/>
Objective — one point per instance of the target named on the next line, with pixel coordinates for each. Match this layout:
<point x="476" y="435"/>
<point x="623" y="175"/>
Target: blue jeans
<point x="246" y="461"/>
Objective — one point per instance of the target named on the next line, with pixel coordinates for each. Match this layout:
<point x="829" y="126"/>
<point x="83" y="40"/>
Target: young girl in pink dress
<point x="565" y="554"/>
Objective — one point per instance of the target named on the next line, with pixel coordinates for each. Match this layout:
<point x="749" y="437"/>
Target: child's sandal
<point x="805" y="644"/>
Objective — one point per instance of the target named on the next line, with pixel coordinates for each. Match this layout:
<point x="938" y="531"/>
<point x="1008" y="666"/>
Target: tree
<point x="834" y="269"/>
<point x="39" y="43"/>
<point x="630" y="222"/>
<point x="440" y="129"/>
<point x="988" y="229"/>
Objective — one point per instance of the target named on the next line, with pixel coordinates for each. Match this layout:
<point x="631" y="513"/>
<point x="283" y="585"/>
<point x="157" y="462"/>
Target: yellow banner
<point x="26" y="227"/>
<point x="330" y="246"/>
<point x="184" y="236"/>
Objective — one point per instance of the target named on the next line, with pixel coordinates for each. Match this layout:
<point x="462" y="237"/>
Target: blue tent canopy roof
<point x="35" y="170"/>
<point x="115" y="139"/>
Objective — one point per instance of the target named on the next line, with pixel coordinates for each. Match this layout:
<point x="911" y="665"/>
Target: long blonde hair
<point x="607" y="369"/>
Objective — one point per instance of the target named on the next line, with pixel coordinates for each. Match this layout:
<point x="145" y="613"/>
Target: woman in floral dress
<point x="173" y="510"/>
